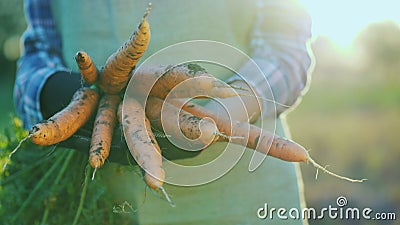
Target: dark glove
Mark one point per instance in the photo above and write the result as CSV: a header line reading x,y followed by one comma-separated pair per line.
x,y
56,94
58,91
119,152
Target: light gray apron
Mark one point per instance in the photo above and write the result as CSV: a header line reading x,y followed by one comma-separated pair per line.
x,y
100,27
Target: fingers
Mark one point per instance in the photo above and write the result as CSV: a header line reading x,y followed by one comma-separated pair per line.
x,y
77,142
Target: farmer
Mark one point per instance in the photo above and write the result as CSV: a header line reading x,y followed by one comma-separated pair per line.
x,y
274,33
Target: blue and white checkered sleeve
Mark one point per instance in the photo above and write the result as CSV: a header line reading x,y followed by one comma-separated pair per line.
x,y
40,58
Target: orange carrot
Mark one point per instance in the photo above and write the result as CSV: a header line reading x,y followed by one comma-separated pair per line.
x,y
116,71
258,139
181,81
142,143
203,131
86,67
103,129
65,123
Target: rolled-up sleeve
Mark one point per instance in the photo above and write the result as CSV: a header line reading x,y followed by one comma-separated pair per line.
x,y
279,47
40,58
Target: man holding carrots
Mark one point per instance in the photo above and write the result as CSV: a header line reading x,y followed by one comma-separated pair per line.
x,y
274,33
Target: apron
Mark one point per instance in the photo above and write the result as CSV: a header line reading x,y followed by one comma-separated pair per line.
x,y
234,198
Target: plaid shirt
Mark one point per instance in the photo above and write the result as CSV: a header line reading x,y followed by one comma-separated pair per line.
x,y
41,57
278,42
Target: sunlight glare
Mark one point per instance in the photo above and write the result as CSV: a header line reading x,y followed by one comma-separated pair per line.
x,y
342,20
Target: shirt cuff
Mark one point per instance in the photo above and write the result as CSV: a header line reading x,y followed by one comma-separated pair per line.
x,y
28,86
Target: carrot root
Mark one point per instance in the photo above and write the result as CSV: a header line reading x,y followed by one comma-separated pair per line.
x,y
164,192
15,150
227,137
94,172
256,96
121,208
319,167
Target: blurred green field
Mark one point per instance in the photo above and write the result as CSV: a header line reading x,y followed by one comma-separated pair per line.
x,y
7,110
350,120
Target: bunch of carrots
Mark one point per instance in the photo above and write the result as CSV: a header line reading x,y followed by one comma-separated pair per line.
x,y
105,102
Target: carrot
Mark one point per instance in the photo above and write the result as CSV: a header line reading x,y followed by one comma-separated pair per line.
x,y
86,67
142,144
65,123
203,131
116,71
258,139
103,129
180,81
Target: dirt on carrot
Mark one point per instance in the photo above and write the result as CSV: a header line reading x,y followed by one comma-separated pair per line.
x,y
65,123
103,130
116,72
142,143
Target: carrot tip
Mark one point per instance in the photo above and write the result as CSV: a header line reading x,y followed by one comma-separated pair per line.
x,y
80,56
15,149
162,189
33,130
94,172
148,10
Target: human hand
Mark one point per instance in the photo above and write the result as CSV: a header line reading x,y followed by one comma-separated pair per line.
x,y
119,151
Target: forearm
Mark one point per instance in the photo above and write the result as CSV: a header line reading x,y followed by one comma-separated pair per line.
x,y
40,59
32,75
280,53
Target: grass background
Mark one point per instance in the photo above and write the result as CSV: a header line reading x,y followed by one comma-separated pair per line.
x,y
349,118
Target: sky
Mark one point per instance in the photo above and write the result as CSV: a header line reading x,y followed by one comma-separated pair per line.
x,y
342,20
